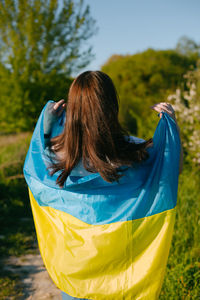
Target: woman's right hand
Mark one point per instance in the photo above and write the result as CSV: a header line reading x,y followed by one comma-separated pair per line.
x,y
51,114
163,106
58,108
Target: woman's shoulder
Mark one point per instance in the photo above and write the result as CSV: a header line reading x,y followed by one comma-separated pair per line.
x,y
132,138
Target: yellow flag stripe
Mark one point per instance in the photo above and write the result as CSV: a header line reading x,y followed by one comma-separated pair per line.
x,y
122,260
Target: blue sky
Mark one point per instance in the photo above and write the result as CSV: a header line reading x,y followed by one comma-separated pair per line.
x,y
130,26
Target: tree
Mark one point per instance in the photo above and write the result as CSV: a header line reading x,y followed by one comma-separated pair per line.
x,y
42,42
187,46
142,80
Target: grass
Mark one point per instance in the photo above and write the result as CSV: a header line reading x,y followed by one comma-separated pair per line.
x,y
182,278
17,237
17,228
10,286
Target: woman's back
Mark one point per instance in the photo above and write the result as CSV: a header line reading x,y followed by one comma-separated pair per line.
x,y
79,169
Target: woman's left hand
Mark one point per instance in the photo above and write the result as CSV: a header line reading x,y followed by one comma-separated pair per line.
x,y
166,107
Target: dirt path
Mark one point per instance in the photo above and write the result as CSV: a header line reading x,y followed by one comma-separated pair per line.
x,y
35,281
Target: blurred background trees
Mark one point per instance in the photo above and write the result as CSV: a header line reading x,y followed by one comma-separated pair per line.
x,y
144,79
187,46
154,76
42,42
186,102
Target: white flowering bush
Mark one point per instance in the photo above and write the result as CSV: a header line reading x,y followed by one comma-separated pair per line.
x,y
186,103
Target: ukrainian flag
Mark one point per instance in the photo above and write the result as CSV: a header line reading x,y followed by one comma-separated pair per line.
x,y
101,240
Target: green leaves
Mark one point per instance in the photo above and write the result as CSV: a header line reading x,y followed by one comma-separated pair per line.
x,y
42,42
142,80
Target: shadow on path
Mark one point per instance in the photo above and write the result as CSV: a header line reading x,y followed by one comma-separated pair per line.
x,y
34,279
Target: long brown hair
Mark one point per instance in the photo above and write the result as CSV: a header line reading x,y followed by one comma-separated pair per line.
x,y
92,131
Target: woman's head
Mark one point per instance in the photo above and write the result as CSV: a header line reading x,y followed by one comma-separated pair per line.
x,y
93,92
92,130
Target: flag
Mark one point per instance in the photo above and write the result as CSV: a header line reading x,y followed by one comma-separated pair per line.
x,y
101,240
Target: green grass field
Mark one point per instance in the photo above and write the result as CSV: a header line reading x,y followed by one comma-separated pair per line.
x,y
182,278
17,237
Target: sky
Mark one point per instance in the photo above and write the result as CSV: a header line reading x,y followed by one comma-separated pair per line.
x,y
131,26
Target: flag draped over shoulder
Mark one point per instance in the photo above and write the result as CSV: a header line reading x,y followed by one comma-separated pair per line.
x,y
101,240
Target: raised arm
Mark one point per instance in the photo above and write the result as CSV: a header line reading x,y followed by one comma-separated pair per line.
x,y
163,106
52,112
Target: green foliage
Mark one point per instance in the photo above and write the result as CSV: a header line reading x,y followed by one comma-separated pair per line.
x,y
21,103
45,35
41,43
182,278
17,235
187,46
10,285
16,222
142,80
186,103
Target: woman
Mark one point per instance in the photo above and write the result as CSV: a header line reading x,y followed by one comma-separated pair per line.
x,y
104,214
